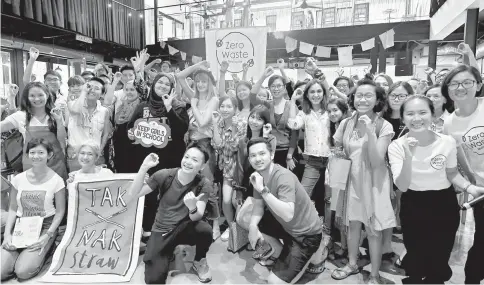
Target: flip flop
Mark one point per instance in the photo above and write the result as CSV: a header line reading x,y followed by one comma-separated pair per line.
x,y
262,250
316,268
345,273
268,262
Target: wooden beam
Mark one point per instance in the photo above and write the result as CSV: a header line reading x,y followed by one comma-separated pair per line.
x,y
433,54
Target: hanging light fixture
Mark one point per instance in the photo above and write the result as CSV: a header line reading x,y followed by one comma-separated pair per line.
x,y
129,14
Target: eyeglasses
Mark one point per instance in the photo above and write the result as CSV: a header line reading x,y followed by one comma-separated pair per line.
x,y
399,96
367,96
466,84
342,86
277,86
52,80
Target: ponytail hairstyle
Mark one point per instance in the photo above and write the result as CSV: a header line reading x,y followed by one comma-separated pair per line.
x,y
27,107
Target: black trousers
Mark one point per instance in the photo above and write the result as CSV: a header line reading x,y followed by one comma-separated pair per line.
x,y
430,220
474,268
159,250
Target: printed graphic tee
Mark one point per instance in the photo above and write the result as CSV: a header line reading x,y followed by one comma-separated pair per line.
x,y
36,200
469,134
428,163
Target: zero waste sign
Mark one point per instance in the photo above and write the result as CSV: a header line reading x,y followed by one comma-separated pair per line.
x,y
237,46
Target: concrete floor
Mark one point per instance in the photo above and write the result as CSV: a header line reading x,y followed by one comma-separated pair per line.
x,y
240,268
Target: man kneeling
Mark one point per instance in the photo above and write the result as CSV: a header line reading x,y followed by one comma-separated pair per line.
x,y
183,194
291,216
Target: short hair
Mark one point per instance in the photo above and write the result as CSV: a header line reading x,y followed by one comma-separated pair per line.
x,y
274,78
87,72
167,62
225,98
414,97
350,82
448,105
97,79
258,140
54,73
75,80
39,142
126,67
461,68
200,147
95,147
105,76
380,95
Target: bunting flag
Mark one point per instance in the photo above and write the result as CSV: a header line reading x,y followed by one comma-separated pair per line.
x,y
162,44
183,55
306,48
291,44
368,44
387,38
196,59
345,56
322,51
172,50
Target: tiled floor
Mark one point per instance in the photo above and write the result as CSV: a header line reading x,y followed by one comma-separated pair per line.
x,y
240,268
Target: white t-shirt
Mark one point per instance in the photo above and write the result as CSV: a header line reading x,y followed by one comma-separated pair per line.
x,y
19,119
36,200
79,131
469,134
428,164
119,96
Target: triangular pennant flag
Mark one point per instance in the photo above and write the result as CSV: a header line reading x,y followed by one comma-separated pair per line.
x,y
172,50
196,59
368,44
306,48
183,55
291,44
323,51
387,39
345,56
278,35
162,44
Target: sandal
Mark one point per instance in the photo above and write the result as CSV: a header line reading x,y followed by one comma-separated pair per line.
x,y
268,262
345,272
316,268
262,250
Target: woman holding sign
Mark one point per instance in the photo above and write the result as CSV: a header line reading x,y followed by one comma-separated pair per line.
x,y
33,213
158,126
39,119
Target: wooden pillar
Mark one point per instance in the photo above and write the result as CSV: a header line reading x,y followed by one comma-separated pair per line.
x,y
432,62
374,59
382,58
156,22
470,34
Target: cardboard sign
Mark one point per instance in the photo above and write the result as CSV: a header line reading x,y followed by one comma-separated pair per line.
x,y
27,231
151,132
237,46
102,239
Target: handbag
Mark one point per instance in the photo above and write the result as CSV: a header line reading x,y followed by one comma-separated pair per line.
x,y
238,236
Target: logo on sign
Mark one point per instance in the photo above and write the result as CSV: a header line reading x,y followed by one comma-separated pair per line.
x,y
151,132
438,161
474,140
237,49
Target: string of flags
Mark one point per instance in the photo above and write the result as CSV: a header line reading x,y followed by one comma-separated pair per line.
x,y
345,54
183,55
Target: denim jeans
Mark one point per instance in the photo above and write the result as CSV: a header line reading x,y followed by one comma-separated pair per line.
x,y
23,263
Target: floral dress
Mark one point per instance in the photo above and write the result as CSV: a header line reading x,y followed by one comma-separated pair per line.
x,y
227,149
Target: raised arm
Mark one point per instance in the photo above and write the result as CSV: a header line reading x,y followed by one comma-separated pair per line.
x,y
75,106
34,54
256,88
138,188
221,83
182,76
109,98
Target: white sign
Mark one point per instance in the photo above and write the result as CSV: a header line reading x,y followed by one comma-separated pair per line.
x,y
237,46
151,132
85,39
26,231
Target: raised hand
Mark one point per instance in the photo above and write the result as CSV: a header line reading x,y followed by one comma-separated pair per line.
x,y
410,145
204,64
224,66
168,99
34,53
150,161
298,94
191,201
215,116
245,67
13,90
280,63
117,77
266,130
268,72
257,181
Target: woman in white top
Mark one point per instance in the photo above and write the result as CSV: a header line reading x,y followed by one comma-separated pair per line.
x,y
315,120
39,119
87,155
33,194
466,125
424,167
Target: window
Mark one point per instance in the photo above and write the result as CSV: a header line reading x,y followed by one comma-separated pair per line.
x,y
343,16
319,15
6,79
222,24
271,22
360,14
328,17
297,20
237,22
178,29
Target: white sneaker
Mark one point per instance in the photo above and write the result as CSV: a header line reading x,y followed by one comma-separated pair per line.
x,y
216,233
225,235
203,271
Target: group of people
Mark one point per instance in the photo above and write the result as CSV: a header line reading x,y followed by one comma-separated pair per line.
x,y
264,158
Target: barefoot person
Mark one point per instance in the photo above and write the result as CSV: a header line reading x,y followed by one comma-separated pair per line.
x,y
183,194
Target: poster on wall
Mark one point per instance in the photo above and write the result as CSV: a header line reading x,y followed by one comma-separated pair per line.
x,y
102,238
237,46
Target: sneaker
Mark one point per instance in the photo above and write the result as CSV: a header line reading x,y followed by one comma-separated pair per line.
x,y
203,271
225,236
216,233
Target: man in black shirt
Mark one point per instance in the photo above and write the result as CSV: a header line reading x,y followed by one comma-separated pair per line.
x,y
183,194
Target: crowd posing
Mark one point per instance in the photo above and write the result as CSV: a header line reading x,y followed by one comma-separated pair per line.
x,y
290,165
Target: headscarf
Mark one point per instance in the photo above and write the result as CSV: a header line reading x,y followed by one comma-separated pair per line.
x,y
155,102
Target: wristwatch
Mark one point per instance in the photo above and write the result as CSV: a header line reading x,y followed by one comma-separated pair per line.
x,y
264,191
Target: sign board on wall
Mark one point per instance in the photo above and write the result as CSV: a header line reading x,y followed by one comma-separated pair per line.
x,y
102,239
237,46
